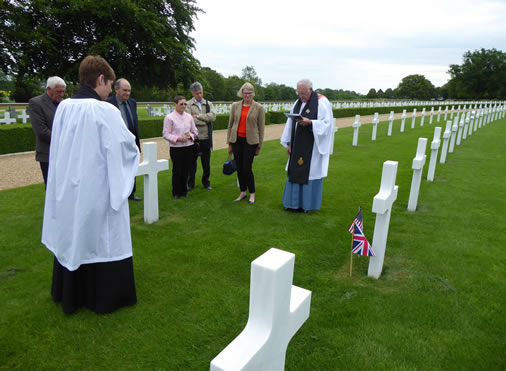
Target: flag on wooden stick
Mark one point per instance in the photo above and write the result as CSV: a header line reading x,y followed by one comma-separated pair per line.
x,y
360,245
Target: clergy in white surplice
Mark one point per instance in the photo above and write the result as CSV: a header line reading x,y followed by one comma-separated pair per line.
x,y
307,138
86,225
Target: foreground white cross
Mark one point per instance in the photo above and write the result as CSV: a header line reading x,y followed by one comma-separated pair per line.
x,y
434,148
277,309
390,123
375,122
150,167
446,138
418,163
382,206
356,126
403,117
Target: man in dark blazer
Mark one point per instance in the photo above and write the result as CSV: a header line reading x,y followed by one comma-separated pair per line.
x,y
41,110
128,109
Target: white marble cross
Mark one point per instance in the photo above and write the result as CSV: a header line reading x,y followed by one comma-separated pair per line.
x,y
356,126
24,116
446,112
277,309
478,118
390,123
474,121
455,127
431,115
334,131
150,167
413,119
466,126
461,129
403,117
418,164
434,149
451,114
7,119
375,122
423,116
382,207
446,138
439,114
458,112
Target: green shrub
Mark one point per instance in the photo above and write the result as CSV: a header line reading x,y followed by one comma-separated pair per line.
x,y
16,138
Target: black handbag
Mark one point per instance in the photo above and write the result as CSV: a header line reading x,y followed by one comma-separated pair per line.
x,y
229,167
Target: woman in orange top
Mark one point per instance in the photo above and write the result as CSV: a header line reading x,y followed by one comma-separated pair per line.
x,y
245,137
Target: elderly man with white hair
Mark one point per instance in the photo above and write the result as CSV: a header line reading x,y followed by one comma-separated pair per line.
x,y
307,137
41,110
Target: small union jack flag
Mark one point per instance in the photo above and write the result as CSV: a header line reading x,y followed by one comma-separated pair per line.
x,y
360,244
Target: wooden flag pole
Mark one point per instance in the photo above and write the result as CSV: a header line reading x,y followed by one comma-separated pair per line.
x,y
351,257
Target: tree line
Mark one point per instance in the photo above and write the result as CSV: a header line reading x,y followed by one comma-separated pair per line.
x,y
148,42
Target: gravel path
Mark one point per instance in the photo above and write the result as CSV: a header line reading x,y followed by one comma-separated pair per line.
x,y
21,169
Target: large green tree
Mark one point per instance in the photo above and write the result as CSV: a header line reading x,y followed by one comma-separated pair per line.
x,y
146,41
415,87
482,75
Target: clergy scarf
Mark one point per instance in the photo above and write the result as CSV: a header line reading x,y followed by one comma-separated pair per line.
x,y
302,141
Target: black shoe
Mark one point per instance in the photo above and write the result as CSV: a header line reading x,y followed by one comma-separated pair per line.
x,y
134,198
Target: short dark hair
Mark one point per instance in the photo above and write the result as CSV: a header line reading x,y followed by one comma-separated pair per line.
x,y
177,98
91,68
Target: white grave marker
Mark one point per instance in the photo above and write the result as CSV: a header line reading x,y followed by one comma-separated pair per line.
x,y
24,116
446,112
431,115
390,123
356,126
414,119
451,114
277,309
7,119
375,122
461,129
446,138
403,117
474,121
150,167
423,116
382,207
455,127
434,148
466,126
439,114
418,164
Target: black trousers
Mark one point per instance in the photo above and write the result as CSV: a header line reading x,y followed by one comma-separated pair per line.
x,y
244,154
181,161
205,159
44,167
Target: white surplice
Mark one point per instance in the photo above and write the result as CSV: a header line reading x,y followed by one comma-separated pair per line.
x,y
92,167
322,132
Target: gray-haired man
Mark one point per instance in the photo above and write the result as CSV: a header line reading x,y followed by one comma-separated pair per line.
x,y
41,110
203,114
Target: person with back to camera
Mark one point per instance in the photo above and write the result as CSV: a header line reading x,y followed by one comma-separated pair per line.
x,y
245,138
180,130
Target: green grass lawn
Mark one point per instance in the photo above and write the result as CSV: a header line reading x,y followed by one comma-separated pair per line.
x,y
437,304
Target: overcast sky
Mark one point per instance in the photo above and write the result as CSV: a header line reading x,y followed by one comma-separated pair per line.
x,y
345,44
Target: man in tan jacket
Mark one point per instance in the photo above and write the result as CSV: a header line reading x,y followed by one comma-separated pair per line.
x,y
204,115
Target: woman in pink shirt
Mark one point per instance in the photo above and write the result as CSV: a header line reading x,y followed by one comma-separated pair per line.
x,y
180,130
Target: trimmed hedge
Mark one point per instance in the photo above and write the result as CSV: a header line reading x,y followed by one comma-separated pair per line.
x,y
20,138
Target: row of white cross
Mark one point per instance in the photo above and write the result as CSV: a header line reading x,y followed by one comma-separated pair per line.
x,y
478,113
